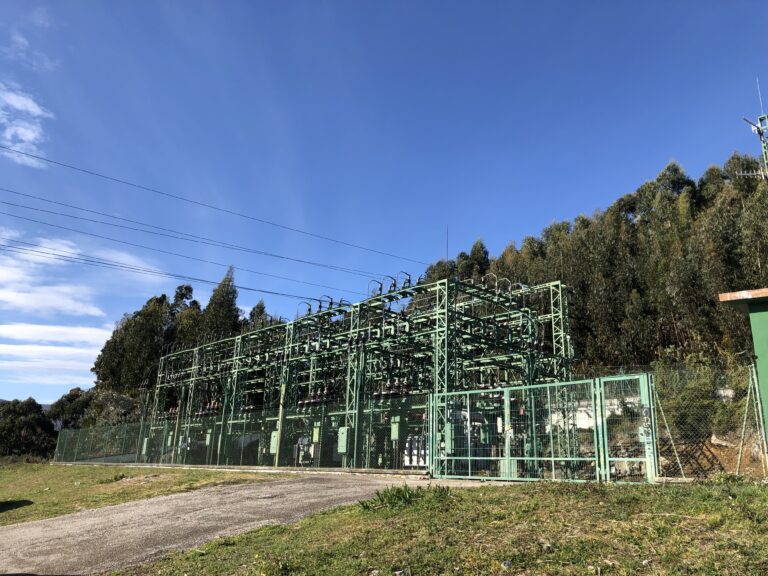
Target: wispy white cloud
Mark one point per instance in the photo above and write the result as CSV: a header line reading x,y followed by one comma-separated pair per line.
x,y
26,287
53,354
38,362
40,17
21,124
27,275
45,251
42,300
14,100
18,49
45,352
55,333
129,259
48,377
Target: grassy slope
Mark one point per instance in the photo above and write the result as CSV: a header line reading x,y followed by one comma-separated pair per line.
x,y
35,491
528,529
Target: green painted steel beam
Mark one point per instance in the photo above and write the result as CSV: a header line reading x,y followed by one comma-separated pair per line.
x,y
353,363
755,303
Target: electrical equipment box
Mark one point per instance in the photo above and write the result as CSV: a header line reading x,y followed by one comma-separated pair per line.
x,y
394,433
316,433
508,469
208,437
449,438
274,440
344,433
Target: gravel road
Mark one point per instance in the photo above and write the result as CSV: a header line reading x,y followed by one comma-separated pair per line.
x,y
118,536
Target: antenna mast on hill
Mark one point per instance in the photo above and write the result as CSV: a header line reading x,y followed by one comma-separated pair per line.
x,y
760,129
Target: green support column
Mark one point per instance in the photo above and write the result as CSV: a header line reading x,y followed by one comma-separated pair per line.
x,y
755,303
507,429
285,376
758,320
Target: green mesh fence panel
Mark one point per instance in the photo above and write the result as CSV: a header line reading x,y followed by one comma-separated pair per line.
x,y
105,444
673,423
599,429
707,421
392,435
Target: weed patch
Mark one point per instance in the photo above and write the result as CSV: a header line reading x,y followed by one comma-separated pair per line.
x,y
540,528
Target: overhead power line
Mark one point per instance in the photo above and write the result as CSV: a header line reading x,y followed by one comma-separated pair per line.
x,y
215,243
204,261
204,239
207,205
102,263
134,244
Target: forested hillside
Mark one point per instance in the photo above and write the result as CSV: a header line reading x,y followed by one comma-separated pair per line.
x,y
644,276
645,273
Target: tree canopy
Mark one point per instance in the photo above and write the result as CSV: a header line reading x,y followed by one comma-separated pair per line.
x,y
645,273
25,429
130,358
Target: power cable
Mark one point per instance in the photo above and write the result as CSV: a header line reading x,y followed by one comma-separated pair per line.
x,y
101,237
205,242
71,256
238,268
146,272
203,239
206,205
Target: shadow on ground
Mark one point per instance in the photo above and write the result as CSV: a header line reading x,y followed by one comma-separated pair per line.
x,y
8,505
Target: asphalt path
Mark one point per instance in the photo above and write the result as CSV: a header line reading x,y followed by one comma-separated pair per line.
x,y
113,537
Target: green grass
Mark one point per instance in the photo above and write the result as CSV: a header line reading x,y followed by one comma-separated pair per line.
x,y
36,491
544,528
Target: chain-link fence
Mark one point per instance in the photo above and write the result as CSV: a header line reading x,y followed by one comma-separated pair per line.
x,y
103,444
703,420
708,421
386,433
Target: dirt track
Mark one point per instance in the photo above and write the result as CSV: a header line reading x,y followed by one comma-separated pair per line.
x,y
117,536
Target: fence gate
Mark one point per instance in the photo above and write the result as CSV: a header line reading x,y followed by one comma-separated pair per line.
x,y
599,430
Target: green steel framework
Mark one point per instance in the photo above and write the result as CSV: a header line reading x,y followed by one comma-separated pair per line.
x,y
348,385
589,430
461,379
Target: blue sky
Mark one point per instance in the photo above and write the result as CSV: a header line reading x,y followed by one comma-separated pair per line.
x,y
378,123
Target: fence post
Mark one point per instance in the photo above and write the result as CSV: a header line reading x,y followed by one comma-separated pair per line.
x,y
603,468
649,427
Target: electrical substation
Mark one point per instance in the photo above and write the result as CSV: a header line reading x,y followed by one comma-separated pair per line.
x,y
464,379
454,378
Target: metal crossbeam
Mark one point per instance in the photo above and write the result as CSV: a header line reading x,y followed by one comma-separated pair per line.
x,y
328,386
